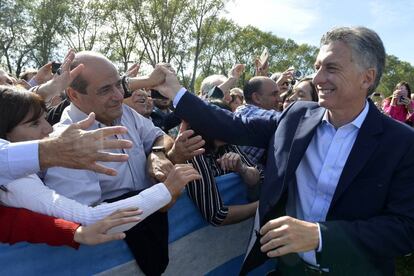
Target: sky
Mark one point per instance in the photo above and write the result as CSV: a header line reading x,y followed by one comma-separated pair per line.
x,y
305,21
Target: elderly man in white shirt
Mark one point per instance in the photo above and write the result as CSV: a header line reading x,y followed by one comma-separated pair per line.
x,y
100,89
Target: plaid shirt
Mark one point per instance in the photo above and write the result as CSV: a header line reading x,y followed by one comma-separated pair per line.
x,y
248,110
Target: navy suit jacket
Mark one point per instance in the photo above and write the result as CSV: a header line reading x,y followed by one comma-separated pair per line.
x,y
371,217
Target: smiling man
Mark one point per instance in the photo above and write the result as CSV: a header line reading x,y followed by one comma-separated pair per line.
x,y
336,199
98,88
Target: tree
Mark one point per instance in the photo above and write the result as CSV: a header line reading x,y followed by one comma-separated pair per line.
x,y
15,34
84,24
395,71
48,21
202,14
161,26
122,39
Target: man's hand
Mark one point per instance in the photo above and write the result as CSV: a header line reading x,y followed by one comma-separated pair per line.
x,y
286,76
157,76
44,74
158,166
79,149
178,177
236,71
286,235
185,146
231,161
96,233
170,87
261,69
133,70
60,81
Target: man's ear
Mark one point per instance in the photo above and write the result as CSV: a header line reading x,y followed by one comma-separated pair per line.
x,y
73,95
368,78
256,98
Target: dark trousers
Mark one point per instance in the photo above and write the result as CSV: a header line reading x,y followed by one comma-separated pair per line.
x,y
148,241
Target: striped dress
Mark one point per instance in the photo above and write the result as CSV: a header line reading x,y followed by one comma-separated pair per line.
x,y
204,192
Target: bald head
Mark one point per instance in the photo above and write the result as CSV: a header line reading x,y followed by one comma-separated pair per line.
x,y
253,85
93,62
98,88
262,92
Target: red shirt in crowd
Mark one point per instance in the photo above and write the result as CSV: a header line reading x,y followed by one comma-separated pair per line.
x,y
18,225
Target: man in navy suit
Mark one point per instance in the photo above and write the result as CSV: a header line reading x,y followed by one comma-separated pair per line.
x,y
338,195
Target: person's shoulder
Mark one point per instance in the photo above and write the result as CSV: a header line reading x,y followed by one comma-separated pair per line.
x,y
300,107
307,105
397,128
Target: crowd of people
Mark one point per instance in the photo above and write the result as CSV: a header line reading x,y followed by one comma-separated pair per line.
x,y
90,156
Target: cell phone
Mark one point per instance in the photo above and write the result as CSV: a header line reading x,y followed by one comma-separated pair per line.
x,y
264,57
157,95
55,66
400,100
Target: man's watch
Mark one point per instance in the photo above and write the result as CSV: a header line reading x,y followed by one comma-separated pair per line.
x,y
158,149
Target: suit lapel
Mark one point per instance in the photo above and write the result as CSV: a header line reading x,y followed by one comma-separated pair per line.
x,y
303,136
365,144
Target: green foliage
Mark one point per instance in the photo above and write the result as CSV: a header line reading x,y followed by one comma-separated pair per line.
x,y
187,33
395,71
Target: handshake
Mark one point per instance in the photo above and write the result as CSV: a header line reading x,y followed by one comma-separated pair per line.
x,y
163,79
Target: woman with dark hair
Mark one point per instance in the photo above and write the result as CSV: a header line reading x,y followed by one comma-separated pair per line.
x,y
219,159
30,192
399,106
304,90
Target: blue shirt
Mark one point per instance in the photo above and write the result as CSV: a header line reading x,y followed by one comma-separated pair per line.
x,y
320,169
92,188
18,160
248,110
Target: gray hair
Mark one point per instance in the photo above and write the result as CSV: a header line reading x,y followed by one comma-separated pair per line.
x,y
210,82
366,47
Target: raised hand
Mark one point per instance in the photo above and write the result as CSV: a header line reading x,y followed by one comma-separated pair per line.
x,y
236,71
44,74
170,87
133,70
186,146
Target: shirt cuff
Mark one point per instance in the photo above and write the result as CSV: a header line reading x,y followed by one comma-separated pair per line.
x,y
23,158
32,82
320,239
178,96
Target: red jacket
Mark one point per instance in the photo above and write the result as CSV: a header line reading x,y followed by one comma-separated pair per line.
x,y
17,225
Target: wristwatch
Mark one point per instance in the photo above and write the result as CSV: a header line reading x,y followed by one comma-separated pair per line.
x,y
158,149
